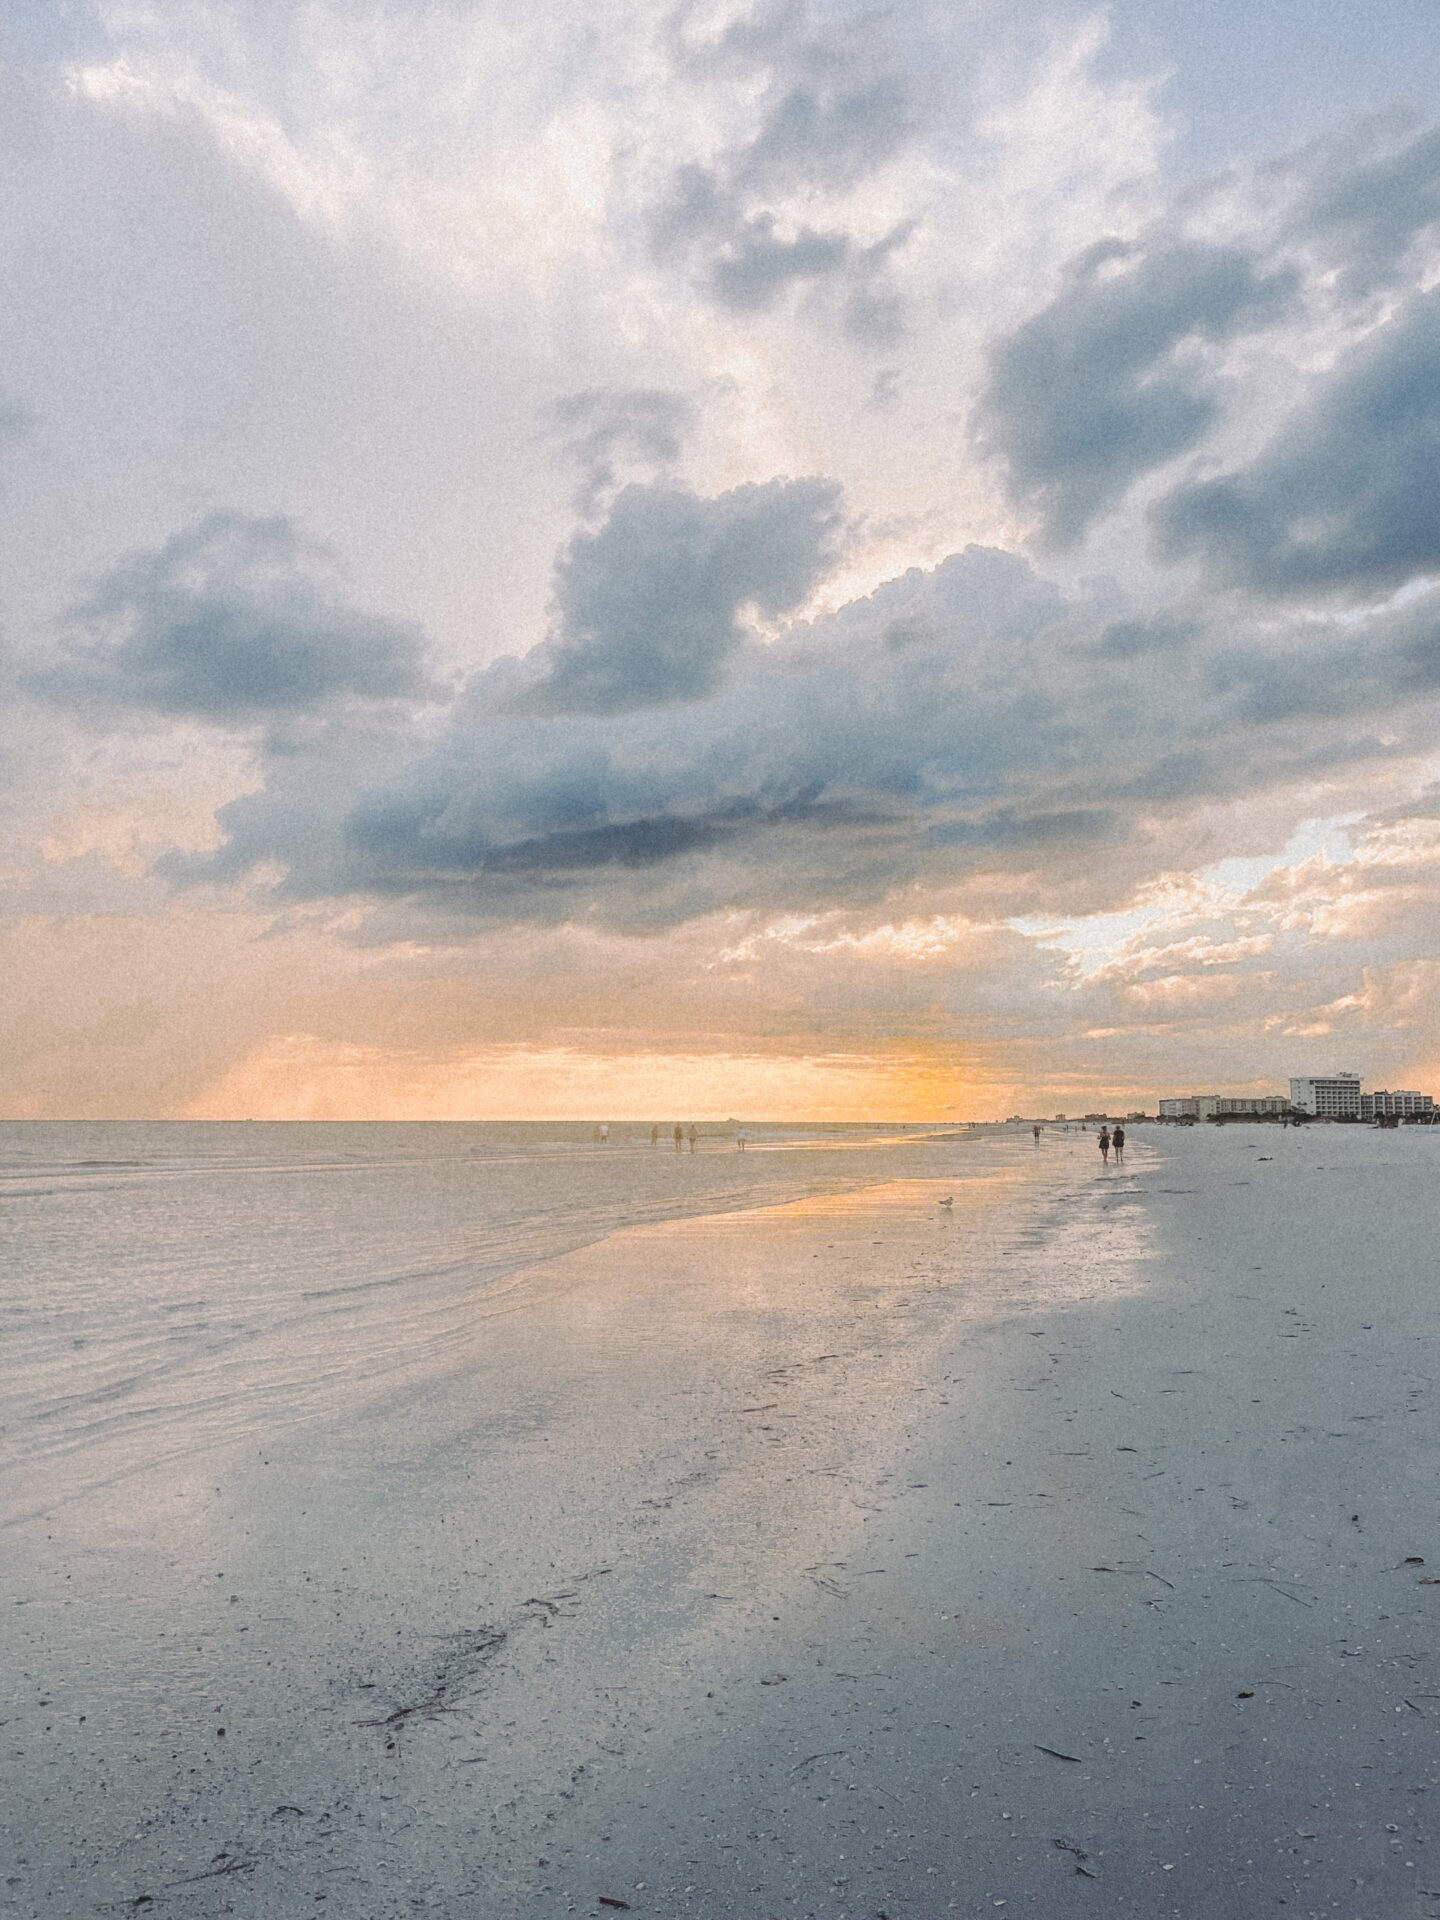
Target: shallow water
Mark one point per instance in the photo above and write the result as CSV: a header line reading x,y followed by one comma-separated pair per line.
x,y
354,1524
173,1286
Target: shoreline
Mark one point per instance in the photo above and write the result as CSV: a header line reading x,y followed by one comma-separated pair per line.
x,y
467,1651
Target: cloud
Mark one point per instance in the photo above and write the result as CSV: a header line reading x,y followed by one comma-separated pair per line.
x,y
977,724
231,621
755,265
744,217
750,258
16,420
830,766
1161,633
1110,380
605,431
826,138
1346,498
650,604
826,758
1371,211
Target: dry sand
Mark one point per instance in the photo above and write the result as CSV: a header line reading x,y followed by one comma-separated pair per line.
x,y
1068,1554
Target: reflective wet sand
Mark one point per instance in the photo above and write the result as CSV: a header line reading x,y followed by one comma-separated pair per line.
x,y
838,1558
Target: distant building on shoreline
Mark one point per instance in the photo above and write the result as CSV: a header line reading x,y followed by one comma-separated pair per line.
x,y
1212,1106
1335,1096
1402,1104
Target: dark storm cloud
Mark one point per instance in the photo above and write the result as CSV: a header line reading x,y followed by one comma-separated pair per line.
x,y
608,433
971,719
1103,385
827,762
1347,496
649,605
231,621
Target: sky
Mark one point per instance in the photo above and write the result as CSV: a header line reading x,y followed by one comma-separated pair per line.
x,y
777,558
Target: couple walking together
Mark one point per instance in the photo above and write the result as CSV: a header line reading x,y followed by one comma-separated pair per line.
x,y
1115,1140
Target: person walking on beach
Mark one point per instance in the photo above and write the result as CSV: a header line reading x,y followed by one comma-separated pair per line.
x,y
692,1136
1036,1132
1117,1141
655,1135
1105,1145
679,1137
740,1139
604,1136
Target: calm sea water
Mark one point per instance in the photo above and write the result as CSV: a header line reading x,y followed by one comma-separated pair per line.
x,y
168,1286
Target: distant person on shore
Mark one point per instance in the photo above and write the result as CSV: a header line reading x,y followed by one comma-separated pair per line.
x,y
1036,1132
679,1137
1105,1145
692,1136
1117,1141
595,1135
604,1135
655,1136
740,1139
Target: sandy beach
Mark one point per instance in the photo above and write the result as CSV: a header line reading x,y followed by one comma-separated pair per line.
x,y
1072,1550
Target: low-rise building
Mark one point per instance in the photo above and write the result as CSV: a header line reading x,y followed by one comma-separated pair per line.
x,y
1220,1106
1402,1104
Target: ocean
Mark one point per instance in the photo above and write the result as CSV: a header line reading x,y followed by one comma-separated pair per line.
x,y
173,1286
370,1494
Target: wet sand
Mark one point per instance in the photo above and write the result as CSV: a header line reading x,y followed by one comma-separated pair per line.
x,y
1063,1553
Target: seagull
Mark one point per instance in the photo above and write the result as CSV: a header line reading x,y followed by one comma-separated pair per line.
x,y
948,1201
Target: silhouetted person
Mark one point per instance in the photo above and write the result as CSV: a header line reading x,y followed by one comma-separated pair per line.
x,y
1036,1132
1105,1145
655,1136
692,1136
679,1137
1117,1141
740,1139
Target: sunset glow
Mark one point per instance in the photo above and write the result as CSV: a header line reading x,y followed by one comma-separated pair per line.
x,y
716,560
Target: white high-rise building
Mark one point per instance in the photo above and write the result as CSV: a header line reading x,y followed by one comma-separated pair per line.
x,y
1335,1097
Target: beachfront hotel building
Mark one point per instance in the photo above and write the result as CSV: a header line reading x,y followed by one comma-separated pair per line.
x,y
1216,1106
1334,1098
1402,1104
